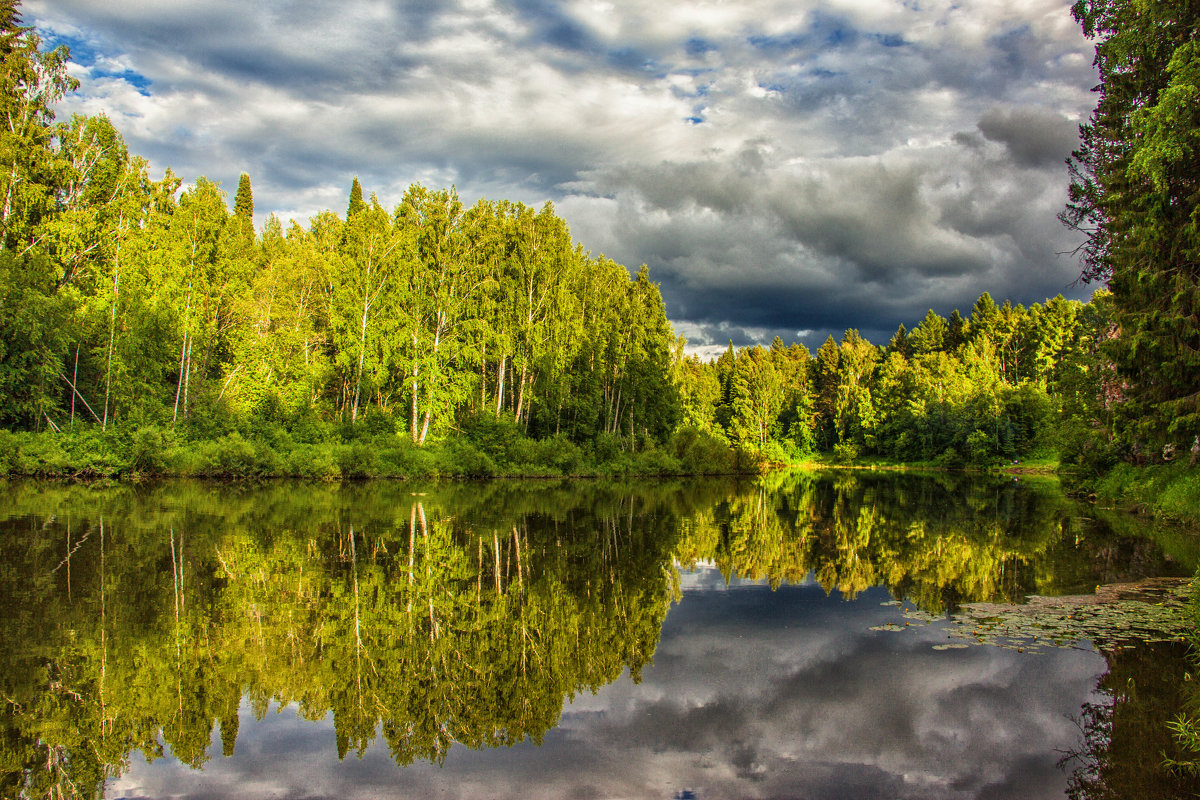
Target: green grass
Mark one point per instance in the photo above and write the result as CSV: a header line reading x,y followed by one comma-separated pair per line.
x,y
1171,491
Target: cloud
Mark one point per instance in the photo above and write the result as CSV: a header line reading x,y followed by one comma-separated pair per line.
x,y
1034,136
780,166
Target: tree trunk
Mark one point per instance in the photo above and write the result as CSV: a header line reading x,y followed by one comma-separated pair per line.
x,y
415,371
500,385
187,375
362,352
74,383
521,390
183,346
112,321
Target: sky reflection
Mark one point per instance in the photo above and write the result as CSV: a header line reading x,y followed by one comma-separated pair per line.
x,y
752,693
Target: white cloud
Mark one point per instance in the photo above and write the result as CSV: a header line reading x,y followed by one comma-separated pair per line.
x,y
828,156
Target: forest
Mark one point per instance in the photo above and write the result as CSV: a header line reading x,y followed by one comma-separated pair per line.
x,y
147,327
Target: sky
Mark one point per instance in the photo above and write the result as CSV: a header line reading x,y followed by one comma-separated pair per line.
x,y
788,168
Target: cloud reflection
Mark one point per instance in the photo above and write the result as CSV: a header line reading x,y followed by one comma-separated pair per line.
x,y
752,693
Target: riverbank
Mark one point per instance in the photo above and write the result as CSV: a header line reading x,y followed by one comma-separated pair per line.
x,y
486,449
1167,491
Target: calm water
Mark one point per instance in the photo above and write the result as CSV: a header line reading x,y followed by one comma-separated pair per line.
x,y
703,639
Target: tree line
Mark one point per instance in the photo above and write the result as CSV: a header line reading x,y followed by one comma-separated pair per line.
x,y
156,315
1005,382
125,300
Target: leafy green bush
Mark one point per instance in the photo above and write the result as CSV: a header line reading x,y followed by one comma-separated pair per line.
x,y
845,452
950,457
981,449
495,436
10,451
232,456
701,453
305,426
606,447
313,461
42,455
148,450
563,455
358,459
461,457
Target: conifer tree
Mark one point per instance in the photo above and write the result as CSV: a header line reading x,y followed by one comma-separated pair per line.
x,y
356,199
956,331
1135,195
243,205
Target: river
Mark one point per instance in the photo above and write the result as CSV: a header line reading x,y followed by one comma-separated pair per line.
x,y
791,636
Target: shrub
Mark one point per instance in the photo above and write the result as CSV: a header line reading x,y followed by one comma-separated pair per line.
x,y
845,452
235,457
950,457
461,457
701,453
10,451
305,426
42,455
148,450
606,447
373,422
314,461
358,459
981,450
495,436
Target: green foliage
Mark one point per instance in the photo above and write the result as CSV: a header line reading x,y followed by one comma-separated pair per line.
x,y
485,334
243,204
845,452
701,453
1135,196
164,308
1169,490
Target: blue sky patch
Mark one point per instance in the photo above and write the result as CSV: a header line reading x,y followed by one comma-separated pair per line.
x,y
86,55
890,39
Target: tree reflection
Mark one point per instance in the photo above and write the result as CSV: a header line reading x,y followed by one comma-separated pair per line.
x,y
138,619
936,541
1125,738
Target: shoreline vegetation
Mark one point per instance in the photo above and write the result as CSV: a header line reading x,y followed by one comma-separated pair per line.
x,y
148,327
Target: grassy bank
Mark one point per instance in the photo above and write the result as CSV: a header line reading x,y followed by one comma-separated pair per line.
x,y
1168,491
320,451
1043,464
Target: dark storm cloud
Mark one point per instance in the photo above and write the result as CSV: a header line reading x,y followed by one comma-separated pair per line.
x,y
1035,136
782,167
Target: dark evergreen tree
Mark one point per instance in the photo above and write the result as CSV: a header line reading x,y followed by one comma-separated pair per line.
x,y
899,342
985,318
243,205
10,26
930,335
1135,195
356,199
956,331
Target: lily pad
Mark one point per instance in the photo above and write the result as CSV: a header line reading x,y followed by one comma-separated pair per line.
x,y
1116,616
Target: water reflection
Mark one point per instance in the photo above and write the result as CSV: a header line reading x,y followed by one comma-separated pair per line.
x,y
170,619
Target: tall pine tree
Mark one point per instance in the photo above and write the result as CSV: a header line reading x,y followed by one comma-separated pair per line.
x,y
356,199
1135,194
243,204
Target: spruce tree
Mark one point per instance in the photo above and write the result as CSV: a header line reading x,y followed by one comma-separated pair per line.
x,y
956,331
356,199
10,26
1135,195
243,205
